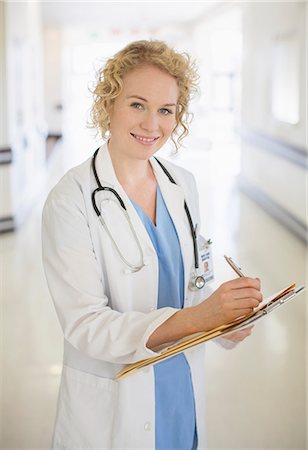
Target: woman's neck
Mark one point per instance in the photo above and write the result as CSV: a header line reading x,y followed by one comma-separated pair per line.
x,y
129,171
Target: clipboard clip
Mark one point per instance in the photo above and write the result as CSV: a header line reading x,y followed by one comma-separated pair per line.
x,y
275,303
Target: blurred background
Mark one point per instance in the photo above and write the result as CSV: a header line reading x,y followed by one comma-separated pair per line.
x,y
248,151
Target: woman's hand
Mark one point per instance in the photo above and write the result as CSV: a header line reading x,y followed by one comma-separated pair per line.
x,y
233,299
239,336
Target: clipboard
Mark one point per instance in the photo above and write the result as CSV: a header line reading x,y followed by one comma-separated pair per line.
x,y
266,307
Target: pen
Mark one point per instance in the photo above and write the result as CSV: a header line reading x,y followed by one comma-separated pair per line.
x,y
236,268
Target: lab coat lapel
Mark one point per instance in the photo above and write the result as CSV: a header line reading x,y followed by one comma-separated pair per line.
x,y
173,195
108,177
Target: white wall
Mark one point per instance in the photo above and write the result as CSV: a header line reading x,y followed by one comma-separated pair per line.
x,y
3,102
24,125
52,42
262,23
266,172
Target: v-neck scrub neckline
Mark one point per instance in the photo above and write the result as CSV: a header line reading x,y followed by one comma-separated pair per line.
x,y
175,418
143,214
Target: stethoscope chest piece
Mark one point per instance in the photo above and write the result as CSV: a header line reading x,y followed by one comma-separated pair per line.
x,y
197,282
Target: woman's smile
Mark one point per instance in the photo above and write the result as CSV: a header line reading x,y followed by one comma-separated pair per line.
x,y
144,140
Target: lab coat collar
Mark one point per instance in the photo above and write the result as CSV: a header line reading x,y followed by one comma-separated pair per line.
x,y
105,170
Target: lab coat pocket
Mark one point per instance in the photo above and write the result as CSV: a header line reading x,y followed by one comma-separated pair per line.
x,y
86,409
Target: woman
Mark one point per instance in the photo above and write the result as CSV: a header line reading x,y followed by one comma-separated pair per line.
x,y
122,279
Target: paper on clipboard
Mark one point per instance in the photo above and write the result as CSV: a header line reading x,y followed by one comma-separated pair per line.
x,y
267,306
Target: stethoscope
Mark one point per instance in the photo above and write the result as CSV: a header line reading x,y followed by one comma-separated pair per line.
x,y
197,281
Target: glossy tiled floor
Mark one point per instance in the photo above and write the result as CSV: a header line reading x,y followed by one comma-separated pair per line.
x,y
256,393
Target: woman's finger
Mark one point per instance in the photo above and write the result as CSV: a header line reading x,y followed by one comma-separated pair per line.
x,y
244,303
242,312
240,335
249,294
242,282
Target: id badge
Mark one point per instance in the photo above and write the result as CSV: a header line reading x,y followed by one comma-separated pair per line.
x,y
205,253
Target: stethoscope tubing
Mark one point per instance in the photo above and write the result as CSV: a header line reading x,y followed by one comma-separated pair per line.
x,y
132,267
191,225
113,191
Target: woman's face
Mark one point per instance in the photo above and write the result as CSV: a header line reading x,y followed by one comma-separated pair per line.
x,y
143,116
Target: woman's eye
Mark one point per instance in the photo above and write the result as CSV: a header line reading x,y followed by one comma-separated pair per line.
x,y
166,111
136,105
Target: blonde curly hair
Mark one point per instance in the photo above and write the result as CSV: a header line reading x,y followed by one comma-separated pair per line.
x,y
139,53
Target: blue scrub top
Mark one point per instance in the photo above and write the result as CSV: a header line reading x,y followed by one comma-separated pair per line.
x,y
175,418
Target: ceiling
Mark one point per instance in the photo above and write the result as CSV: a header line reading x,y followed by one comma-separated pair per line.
x,y
124,14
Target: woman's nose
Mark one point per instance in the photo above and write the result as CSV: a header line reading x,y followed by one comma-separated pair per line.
x,y
150,122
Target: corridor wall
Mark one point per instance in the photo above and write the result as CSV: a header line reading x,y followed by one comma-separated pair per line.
x,y
23,129
274,150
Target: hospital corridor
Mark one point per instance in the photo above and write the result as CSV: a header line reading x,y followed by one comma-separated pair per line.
x,y
247,149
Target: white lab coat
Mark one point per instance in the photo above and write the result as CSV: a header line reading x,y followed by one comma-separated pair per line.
x,y
108,314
